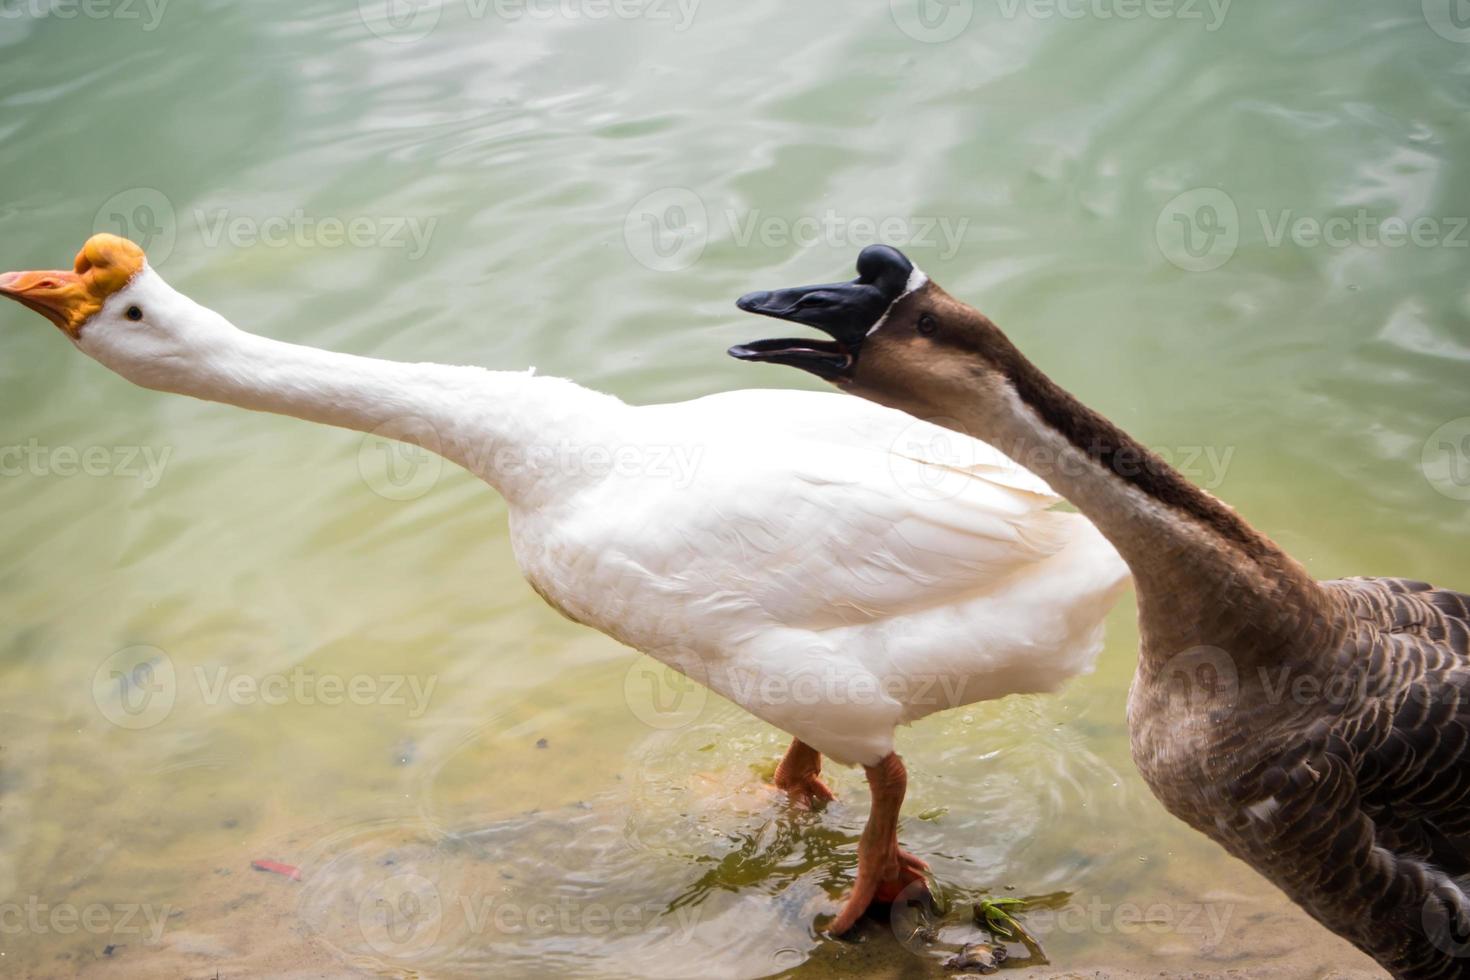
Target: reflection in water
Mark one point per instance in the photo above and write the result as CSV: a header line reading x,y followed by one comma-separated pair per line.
x,y
684,863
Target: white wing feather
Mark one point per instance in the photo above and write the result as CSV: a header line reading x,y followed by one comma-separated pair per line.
x,y
821,536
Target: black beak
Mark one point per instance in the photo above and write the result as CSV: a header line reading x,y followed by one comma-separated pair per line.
x,y
845,310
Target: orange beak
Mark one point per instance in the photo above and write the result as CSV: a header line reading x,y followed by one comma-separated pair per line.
x,y
56,295
105,264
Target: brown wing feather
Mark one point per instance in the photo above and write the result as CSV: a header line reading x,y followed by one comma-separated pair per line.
x,y
1392,818
1358,807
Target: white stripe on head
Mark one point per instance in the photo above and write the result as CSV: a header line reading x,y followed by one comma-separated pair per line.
x,y
917,279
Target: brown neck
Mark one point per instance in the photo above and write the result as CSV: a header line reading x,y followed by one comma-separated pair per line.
x,y
1204,576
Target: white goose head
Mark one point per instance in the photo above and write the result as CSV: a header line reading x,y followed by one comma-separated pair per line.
x,y
119,311
501,425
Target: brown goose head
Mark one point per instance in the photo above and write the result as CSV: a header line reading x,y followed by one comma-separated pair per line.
x,y
897,338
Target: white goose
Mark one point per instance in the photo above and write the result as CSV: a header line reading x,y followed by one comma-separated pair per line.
x,y
807,569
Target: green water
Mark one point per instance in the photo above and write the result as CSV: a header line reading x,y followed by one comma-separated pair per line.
x,y
586,188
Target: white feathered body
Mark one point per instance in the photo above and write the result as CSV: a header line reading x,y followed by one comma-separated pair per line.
x,y
835,567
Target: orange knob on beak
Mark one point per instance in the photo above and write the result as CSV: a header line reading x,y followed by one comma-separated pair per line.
x,y
105,264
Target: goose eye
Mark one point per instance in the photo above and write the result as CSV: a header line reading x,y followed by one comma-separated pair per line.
x,y
927,324
135,313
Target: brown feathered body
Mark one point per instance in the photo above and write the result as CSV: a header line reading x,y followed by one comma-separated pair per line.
x,y
1340,770
1319,731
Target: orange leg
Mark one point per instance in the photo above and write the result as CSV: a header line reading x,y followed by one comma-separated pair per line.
x,y
800,775
884,870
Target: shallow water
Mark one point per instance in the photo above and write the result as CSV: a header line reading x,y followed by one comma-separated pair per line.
x,y
344,670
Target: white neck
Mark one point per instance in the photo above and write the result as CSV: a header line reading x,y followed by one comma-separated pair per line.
x,y
497,424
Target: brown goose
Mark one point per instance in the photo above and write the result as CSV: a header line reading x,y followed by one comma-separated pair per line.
x,y
1317,730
